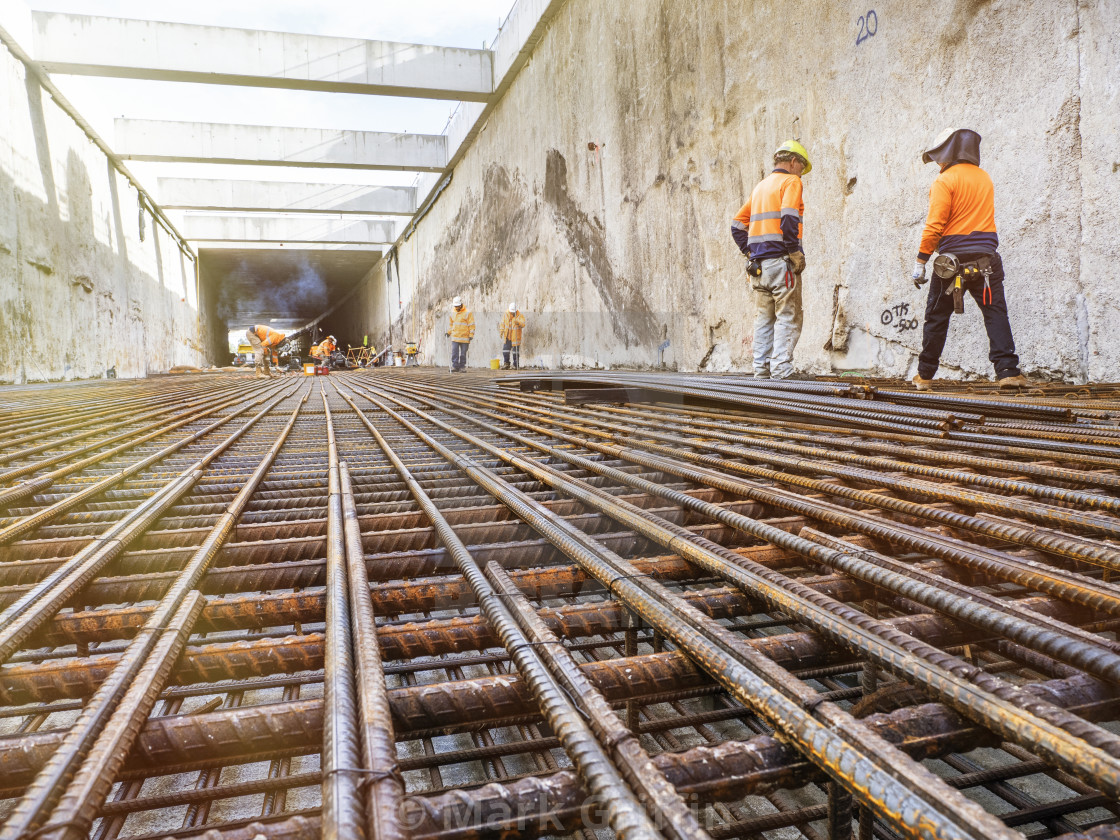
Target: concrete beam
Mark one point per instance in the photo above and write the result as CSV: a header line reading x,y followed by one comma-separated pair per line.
x,y
201,194
263,229
145,49
193,142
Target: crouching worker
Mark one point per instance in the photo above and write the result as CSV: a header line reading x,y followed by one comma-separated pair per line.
x,y
961,227
510,329
322,351
264,341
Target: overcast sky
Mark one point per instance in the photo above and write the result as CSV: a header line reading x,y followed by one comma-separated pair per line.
x,y
458,23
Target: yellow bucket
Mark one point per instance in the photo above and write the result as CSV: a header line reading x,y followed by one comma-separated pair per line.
x,y
495,364
309,370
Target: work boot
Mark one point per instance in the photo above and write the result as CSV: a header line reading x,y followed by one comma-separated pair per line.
x,y
271,375
922,384
1016,381
260,374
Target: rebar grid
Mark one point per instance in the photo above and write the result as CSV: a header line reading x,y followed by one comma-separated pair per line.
x,y
406,604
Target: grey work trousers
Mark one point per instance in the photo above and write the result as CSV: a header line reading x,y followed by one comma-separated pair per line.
x,y
777,320
459,355
261,352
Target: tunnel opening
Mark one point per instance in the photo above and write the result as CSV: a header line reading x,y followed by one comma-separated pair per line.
x,y
285,289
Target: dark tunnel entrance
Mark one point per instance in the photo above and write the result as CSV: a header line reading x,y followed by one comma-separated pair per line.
x,y
283,288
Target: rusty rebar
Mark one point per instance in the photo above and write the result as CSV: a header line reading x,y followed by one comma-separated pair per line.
x,y
911,806
1081,749
627,817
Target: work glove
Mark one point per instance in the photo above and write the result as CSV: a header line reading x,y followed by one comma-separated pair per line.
x,y
797,262
919,274
447,334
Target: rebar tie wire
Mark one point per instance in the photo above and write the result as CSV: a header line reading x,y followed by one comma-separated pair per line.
x,y
610,586
371,776
813,703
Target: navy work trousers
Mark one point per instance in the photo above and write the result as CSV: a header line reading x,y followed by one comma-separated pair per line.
x,y
511,354
939,309
459,354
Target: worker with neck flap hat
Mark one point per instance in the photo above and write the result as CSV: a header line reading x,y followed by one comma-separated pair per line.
x,y
961,228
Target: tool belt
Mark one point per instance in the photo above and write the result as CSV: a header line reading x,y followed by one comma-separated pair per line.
x,y
947,267
754,269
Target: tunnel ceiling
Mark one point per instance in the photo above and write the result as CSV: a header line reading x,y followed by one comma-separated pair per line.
x,y
285,288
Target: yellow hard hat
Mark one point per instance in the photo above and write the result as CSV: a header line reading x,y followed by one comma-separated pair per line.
x,y
799,150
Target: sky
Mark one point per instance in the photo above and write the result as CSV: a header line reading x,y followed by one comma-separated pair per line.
x,y
456,23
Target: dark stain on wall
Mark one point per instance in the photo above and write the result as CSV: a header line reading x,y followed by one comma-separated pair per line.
x,y
487,233
502,225
631,318
507,225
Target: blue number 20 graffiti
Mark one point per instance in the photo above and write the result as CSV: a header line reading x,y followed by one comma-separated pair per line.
x,y
868,25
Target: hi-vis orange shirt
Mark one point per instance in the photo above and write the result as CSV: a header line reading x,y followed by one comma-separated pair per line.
x,y
323,349
770,223
962,213
510,327
461,326
268,336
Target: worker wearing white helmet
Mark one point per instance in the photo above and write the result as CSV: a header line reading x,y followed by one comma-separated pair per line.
x,y
460,329
510,329
768,231
324,348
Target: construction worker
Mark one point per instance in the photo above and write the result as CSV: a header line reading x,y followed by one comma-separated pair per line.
x,y
324,348
510,329
264,341
460,329
768,230
962,224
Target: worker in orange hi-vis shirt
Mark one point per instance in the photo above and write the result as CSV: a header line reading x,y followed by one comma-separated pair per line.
x,y
961,227
768,231
324,348
264,341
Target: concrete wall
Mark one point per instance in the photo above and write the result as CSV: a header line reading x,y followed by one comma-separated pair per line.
x,y
613,247
84,285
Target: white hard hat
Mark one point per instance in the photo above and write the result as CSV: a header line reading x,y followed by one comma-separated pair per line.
x,y
457,301
513,307
331,338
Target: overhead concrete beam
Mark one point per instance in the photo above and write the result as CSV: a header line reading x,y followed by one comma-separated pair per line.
x,y
202,194
373,251
193,142
146,49
263,229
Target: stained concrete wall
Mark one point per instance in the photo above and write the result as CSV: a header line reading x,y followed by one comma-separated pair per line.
x,y
600,193
85,285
